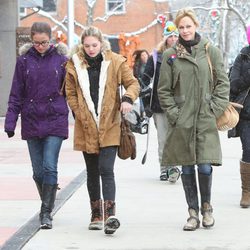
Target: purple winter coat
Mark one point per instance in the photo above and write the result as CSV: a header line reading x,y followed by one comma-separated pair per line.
x,y
35,94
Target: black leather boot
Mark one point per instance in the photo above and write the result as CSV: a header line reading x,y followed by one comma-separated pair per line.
x,y
190,188
205,184
39,187
48,201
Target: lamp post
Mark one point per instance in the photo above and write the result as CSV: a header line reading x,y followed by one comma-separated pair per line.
x,y
71,23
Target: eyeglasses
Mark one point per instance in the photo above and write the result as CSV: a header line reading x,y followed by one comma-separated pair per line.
x,y
37,44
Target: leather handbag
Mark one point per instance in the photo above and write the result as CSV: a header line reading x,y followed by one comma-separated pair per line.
x,y
127,147
229,118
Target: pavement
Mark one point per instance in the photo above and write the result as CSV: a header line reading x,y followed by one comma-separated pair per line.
x,y
152,213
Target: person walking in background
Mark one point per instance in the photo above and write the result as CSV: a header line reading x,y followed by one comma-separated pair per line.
x,y
93,79
192,102
240,84
36,95
140,60
152,69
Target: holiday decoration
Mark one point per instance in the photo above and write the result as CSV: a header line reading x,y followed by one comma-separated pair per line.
x,y
161,19
214,14
127,45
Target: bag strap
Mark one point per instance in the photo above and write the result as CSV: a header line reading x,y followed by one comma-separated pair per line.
x,y
121,94
154,56
209,61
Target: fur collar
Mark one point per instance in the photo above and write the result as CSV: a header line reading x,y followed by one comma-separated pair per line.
x,y
83,78
61,48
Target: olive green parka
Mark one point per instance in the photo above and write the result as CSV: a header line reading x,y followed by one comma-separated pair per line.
x,y
192,101
94,131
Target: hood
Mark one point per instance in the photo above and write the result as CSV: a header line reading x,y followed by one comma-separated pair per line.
x,y
245,51
61,48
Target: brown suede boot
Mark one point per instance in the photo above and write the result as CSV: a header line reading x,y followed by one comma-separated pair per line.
x,y
97,215
245,184
111,223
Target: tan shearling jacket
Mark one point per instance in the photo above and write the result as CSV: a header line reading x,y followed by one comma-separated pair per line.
x,y
94,131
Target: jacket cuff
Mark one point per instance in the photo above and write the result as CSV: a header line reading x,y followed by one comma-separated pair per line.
x,y
127,99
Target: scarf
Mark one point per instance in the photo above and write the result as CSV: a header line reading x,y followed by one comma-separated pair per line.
x,y
188,44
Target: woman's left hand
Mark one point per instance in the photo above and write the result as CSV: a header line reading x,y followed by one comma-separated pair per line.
x,y
126,107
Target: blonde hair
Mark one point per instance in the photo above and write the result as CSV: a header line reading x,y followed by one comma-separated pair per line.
x,y
162,46
186,12
95,32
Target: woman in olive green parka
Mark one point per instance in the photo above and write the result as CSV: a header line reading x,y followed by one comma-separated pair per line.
x,y
192,101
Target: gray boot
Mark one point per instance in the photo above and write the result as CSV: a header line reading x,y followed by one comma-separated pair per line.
x,y
190,188
205,183
48,201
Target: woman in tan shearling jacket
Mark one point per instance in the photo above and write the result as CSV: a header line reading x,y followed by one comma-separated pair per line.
x,y
93,79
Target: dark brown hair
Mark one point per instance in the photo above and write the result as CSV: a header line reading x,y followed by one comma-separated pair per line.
x,y
40,27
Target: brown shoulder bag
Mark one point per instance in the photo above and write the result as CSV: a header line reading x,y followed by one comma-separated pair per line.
x,y
127,147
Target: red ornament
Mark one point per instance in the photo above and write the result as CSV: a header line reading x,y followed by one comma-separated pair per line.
x,y
214,14
162,20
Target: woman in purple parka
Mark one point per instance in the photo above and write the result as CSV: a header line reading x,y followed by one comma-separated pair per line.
x,y
36,95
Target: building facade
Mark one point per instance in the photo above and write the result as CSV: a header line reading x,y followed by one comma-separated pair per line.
x,y
139,19
128,24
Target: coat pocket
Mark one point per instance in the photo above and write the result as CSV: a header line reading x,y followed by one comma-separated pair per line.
x,y
180,101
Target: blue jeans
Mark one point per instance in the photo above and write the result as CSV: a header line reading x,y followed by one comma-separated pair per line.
x,y
205,169
44,153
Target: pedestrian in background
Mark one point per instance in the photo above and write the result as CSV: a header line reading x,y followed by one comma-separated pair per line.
x,y
151,72
192,102
36,95
140,60
240,84
93,81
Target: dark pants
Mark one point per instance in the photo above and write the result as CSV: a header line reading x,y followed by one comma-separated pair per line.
x,y
244,132
101,165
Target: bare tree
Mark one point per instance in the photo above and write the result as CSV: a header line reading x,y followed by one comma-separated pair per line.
x,y
90,11
223,22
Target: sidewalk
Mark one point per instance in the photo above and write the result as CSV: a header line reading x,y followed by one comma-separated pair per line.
x,y
19,199
152,213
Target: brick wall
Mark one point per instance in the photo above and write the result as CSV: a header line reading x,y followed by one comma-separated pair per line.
x,y
139,14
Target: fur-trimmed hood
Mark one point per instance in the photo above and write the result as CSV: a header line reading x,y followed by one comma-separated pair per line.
x,y
61,48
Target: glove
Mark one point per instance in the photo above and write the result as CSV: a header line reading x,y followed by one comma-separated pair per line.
x,y
10,133
148,111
